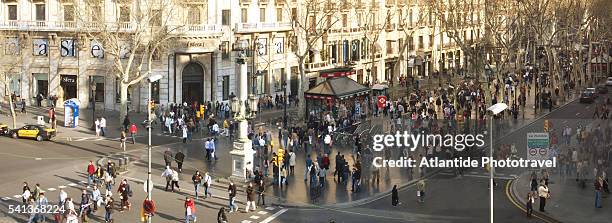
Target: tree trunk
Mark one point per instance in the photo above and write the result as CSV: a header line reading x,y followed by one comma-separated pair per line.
x,y
123,97
13,115
301,88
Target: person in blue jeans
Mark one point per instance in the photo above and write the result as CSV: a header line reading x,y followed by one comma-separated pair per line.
x,y
598,189
232,197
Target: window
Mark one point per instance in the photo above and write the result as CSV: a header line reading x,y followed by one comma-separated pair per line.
x,y
243,15
194,15
226,86
389,47
69,13
312,23
96,13
293,14
262,15
225,52
344,20
40,12
11,46
12,12
124,13
431,40
225,17
420,46
410,22
279,14
156,18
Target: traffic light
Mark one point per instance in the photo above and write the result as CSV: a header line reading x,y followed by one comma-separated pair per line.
x,y
152,104
202,109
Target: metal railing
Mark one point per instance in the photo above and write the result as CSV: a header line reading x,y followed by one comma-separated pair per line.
x,y
263,26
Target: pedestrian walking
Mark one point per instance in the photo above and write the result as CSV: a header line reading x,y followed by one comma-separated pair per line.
x,y
421,191
179,157
96,197
62,196
122,139
261,188
250,196
543,193
26,193
291,162
168,157
598,190
125,191
394,196
232,197
103,126
97,124
207,183
197,182
530,201
184,132
133,132
91,170
175,181
190,210
108,207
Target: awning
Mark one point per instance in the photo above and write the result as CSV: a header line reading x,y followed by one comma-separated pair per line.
x,y
337,72
338,88
379,87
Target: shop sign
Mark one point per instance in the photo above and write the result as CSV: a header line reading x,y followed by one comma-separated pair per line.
x,y
68,79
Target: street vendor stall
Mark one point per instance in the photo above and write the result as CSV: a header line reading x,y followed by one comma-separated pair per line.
x,y
322,97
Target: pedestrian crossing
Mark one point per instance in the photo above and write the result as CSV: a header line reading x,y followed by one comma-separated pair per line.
x,y
261,214
479,174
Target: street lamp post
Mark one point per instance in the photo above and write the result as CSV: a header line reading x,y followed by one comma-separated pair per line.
x,y
494,110
285,121
92,86
149,182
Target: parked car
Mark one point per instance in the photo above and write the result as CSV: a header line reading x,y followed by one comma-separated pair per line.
x,y
609,81
602,89
38,132
592,90
587,97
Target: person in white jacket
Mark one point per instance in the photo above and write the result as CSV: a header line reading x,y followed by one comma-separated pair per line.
x,y
168,175
291,162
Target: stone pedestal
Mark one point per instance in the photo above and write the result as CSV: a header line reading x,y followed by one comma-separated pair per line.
x,y
242,159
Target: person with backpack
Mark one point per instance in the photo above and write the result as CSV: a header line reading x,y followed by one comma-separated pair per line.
x,y
197,182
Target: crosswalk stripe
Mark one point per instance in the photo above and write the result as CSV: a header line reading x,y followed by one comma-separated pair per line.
x,y
254,217
17,196
72,184
61,187
270,208
262,212
245,221
99,139
82,139
6,198
51,189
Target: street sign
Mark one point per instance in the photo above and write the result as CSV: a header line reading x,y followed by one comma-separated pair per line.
x,y
546,125
538,146
150,183
382,101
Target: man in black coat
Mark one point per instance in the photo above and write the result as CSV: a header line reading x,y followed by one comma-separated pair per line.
x,y
179,157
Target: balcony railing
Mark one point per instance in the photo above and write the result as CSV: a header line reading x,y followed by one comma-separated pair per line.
x,y
93,26
262,27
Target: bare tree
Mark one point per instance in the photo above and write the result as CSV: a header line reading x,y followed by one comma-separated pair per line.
x,y
133,41
373,29
312,21
460,19
504,32
10,64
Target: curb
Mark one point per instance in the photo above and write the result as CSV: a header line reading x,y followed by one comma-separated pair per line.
x,y
513,196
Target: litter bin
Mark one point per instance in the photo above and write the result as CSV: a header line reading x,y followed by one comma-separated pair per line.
x,y
71,113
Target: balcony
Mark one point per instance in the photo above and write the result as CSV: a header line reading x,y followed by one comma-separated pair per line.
x,y
203,29
262,27
390,27
71,26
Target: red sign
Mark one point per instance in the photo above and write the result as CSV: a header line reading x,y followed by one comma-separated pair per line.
x,y
382,101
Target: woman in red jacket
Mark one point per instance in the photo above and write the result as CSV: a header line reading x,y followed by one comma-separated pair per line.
x,y
190,210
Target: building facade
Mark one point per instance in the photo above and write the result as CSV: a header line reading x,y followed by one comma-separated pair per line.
x,y
45,49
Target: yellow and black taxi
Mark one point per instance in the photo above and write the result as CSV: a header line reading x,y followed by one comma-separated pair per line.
x,y
38,132
4,129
